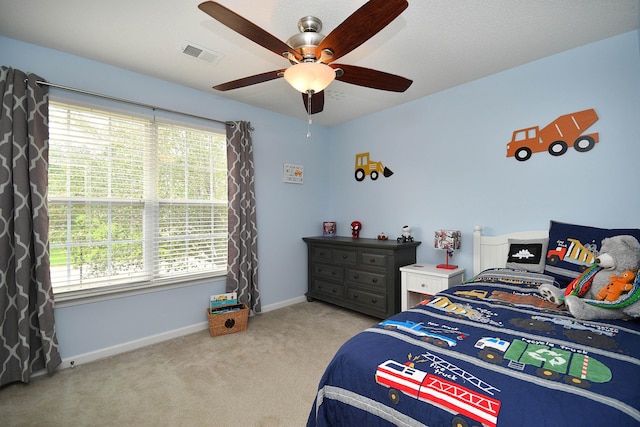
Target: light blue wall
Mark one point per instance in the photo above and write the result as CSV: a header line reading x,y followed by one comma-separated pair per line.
x,y
420,141
448,153
286,212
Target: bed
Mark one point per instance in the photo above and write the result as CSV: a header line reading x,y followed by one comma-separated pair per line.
x,y
489,352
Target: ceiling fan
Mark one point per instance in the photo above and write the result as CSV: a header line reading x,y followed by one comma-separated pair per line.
x,y
311,54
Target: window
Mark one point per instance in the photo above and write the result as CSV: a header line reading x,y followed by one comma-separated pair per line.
x,y
133,201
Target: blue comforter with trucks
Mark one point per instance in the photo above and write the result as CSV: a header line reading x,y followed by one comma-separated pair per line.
x,y
487,353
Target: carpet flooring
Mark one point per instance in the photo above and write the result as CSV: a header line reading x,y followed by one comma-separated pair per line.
x,y
265,376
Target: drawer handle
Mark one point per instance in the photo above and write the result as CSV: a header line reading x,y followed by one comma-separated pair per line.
x,y
423,285
320,269
334,290
355,276
355,296
334,272
374,280
372,260
345,256
321,253
374,300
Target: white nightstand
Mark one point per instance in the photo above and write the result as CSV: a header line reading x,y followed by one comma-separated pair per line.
x,y
419,280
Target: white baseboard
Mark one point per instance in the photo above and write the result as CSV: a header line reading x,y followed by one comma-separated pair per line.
x,y
92,356
283,304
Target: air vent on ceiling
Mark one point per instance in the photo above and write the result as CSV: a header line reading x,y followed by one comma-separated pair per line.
x,y
202,53
336,95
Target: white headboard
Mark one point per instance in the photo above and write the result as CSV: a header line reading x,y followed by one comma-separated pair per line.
x,y
491,251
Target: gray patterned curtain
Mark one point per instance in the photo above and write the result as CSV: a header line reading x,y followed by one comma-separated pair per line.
x,y
28,340
242,272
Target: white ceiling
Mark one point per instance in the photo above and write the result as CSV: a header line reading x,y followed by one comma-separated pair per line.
x,y
438,44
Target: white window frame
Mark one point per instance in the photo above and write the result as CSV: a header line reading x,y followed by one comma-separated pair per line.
x,y
150,228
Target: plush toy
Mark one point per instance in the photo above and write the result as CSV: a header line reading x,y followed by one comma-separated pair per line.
x,y
406,235
617,286
618,254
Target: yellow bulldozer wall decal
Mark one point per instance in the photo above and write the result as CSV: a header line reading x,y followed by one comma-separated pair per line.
x,y
556,137
365,166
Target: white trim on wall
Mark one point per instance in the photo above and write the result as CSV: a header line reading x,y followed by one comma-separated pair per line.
x,y
102,353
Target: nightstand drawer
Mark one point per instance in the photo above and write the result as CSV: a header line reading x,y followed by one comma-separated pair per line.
x,y
419,280
425,284
367,278
328,271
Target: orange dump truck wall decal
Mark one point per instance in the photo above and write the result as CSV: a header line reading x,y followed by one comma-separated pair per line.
x,y
564,132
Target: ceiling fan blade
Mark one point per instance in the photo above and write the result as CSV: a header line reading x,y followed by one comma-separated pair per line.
x,y
251,80
246,28
363,24
372,78
317,102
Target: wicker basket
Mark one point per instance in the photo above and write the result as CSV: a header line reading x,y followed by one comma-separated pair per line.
x,y
228,323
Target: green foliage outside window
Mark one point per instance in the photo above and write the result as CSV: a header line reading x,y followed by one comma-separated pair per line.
x,y
133,199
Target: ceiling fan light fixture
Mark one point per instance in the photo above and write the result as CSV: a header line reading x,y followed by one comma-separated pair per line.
x,y
309,77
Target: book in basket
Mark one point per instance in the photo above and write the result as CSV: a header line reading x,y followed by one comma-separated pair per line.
x,y
216,301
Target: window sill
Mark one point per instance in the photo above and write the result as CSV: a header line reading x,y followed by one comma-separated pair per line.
x,y
88,296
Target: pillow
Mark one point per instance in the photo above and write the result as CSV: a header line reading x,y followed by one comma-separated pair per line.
x,y
573,248
507,276
528,255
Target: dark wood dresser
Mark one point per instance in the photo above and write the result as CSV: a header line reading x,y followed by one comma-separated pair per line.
x,y
359,274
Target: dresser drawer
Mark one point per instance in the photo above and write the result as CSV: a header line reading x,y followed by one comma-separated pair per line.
x,y
367,279
328,271
425,284
324,253
373,259
373,303
345,256
331,290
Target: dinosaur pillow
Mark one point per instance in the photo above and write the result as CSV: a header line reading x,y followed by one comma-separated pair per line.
x,y
527,254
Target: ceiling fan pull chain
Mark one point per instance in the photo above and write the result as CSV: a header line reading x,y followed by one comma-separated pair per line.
x,y
310,93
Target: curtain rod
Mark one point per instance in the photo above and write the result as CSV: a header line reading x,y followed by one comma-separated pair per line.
x,y
139,104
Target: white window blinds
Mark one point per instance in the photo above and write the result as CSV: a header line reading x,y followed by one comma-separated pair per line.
x,y
133,201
